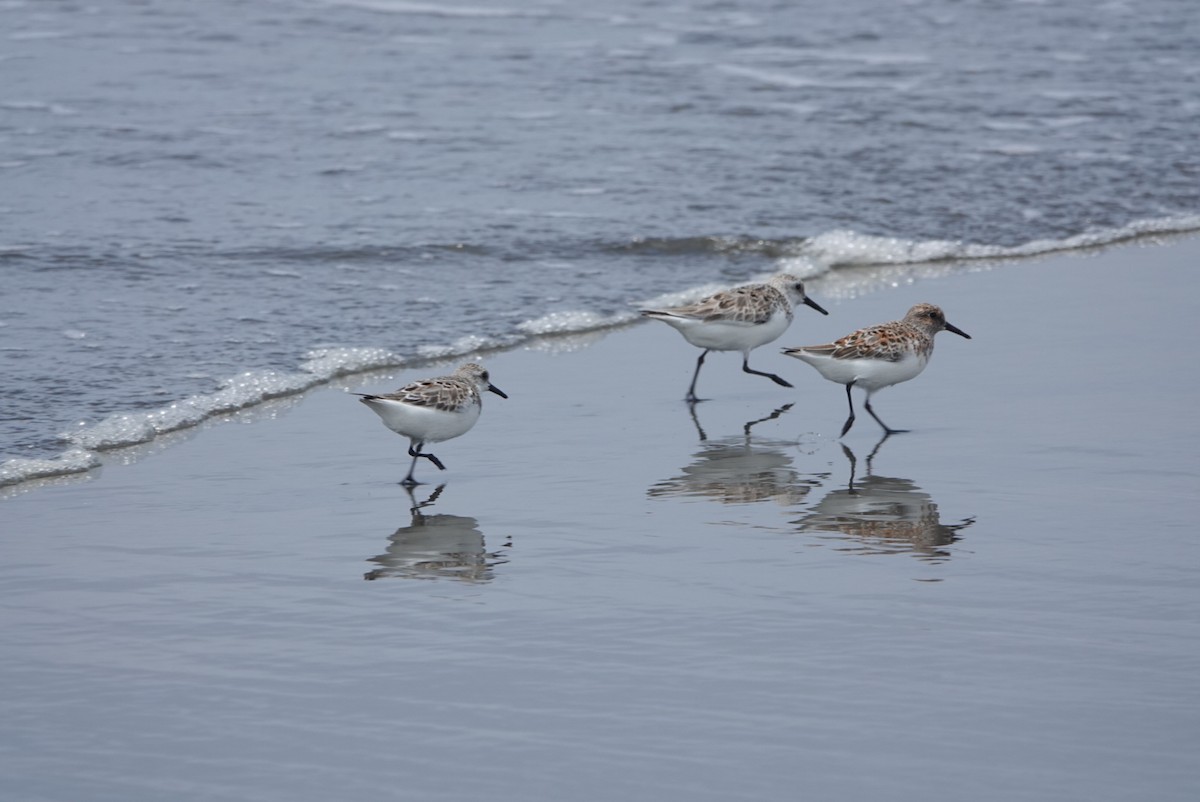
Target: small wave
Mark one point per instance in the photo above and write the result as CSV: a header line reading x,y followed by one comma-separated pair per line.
x,y
844,247
75,460
242,391
463,345
820,257
247,389
848,248
687,246
574,322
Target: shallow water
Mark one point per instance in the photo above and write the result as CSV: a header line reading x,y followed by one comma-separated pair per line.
x,y
196,197
611,597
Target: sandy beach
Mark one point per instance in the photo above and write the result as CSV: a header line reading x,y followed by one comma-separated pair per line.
x,y
611,597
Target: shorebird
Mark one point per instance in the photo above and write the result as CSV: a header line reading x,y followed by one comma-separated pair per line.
x,y
879,356
737,319
433,410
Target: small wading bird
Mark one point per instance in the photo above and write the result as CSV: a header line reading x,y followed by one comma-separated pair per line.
x,y
879,356
737,319
433,410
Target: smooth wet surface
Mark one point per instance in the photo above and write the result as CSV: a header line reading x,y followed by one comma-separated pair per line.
x,y
190,191
612,598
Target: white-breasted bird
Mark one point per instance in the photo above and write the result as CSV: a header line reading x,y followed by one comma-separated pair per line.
x,y
879,356
738,319
433,410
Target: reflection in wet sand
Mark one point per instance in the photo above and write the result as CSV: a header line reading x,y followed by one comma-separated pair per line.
x,y
732,470
437,547
884,514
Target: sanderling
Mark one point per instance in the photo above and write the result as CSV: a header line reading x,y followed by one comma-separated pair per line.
x,y
737,319
879,356
433,410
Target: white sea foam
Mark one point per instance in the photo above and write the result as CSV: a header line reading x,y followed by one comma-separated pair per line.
x,y
681,297
463,345
844,248
244,390
75,460
239,392
329,363
572,322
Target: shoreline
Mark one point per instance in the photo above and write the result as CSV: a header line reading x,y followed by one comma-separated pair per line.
x,y
79,463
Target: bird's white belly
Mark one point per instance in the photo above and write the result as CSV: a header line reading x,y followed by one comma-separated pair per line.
x,y
723,336
870,374
424,423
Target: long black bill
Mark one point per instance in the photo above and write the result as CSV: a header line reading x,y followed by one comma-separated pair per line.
x,y
957,330
494,389
810,302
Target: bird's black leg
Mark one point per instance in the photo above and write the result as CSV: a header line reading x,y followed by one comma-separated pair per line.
x,y
747,369
886,428
415,452
850,420
691,393
409,481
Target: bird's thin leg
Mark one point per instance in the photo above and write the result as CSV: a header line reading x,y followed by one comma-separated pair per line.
x,y
850,420
409,481
415,452
691,393
886,428
747,369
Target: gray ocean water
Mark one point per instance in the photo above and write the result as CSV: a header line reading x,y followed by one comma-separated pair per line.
x,y
199,199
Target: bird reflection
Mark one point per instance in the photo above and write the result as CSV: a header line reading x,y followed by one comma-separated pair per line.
x,y
437,547
732,470
885,514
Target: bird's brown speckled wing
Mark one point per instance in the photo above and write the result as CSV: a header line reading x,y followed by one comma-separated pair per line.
x,y
445,394
752,304
886,341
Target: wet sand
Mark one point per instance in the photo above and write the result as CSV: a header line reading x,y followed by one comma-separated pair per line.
x,y
610,596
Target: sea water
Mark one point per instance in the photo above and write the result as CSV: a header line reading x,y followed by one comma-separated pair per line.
x,y
207,205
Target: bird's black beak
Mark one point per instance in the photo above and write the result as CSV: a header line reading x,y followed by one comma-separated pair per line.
x,y
494,389
957,330
810,302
